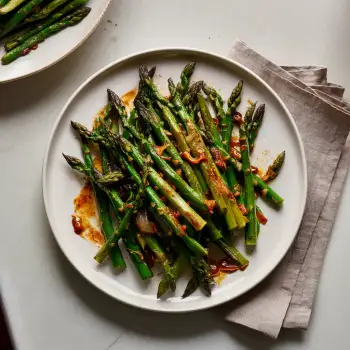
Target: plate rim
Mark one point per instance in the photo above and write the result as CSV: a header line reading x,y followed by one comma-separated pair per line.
x,y
178,51
59,59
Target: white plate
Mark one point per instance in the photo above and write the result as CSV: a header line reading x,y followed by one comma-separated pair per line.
x,y
54,48
278,133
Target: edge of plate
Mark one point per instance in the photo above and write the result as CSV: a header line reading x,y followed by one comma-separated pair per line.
x,y
176,50
91,30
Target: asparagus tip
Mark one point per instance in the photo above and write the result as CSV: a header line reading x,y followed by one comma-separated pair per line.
x,y
113,98
151,72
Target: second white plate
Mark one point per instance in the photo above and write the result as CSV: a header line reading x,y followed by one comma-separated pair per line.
x,y
278,133
54,48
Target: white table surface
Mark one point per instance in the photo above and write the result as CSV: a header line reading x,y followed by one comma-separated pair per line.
x,y
48,304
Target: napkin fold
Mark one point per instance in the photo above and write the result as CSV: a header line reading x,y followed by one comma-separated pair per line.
x,y
285,298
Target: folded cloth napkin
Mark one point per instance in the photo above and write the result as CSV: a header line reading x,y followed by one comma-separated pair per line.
x,y
285,298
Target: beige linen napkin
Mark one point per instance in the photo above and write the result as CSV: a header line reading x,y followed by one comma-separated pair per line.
x,y
285,298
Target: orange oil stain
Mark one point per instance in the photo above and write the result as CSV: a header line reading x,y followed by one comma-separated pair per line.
x,y
85,212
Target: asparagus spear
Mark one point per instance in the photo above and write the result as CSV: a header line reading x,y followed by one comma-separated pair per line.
x,y
18,16
129,240
248,117
256,123
226,127
192,93
274,169
182,86
233,253
11,5
261,218
68,21
123,225
250,233
200,268
136,256
216,100
102,202
266,191
79,166
170,276
46,10
38,27
226,123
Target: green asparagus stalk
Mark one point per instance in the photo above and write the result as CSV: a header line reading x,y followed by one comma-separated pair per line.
x,y
18,16
274,169
102,202
11,5
191,95
260,216
182,86
248,117
226,126
67,21
46,10
38,27
216,100
266,191
256,123
200,269
172,275
208,121
129,240
136,256
79,166
233,253
250,233
123,225
213,131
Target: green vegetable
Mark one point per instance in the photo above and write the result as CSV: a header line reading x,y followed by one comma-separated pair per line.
x,y
32,29
31,42
46,10
11,5
18,16
250,232
182,86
